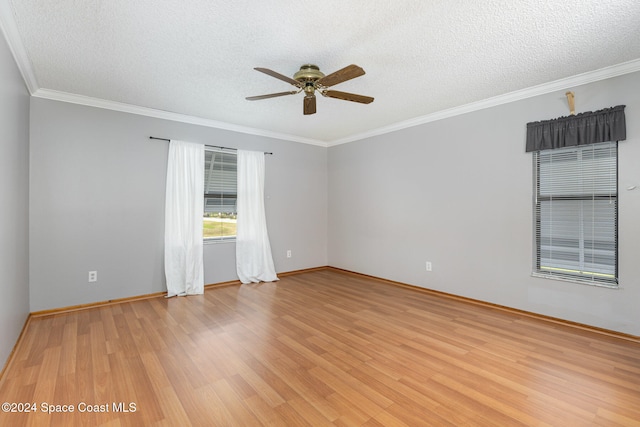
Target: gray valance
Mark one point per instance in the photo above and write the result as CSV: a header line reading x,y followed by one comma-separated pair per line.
x,y
585,128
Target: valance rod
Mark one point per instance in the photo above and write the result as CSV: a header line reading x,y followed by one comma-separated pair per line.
x,y
206,145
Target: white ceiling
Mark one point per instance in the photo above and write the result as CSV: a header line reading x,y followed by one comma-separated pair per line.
x,y
422,58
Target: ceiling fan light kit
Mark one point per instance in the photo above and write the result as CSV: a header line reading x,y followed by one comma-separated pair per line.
x,y
310,79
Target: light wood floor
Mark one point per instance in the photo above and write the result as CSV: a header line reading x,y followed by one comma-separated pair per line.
x,y
318,348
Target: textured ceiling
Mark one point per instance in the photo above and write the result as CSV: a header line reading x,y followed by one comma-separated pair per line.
x,y
421,57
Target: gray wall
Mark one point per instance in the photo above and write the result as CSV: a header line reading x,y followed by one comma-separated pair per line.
x,y
14,207
458,192
97,202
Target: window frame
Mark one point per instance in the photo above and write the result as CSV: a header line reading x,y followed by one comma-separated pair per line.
x,y
219,239
594,279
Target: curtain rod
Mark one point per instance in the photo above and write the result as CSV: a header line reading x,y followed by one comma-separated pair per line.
x,y
206,145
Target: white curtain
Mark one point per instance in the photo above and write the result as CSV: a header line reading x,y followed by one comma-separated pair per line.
x,y
254,262
183,219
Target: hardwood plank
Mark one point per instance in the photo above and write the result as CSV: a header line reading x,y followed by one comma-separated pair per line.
x,y
69,349
264,412
235,405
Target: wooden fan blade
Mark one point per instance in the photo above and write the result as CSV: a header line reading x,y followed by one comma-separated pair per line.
x,y
271,95
347,73
279,76
348,96
309,104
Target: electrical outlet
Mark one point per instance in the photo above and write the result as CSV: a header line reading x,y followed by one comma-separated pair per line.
x,y
428,266
289,253
93,276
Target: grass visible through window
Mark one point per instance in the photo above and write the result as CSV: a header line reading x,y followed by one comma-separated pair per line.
x,y
216,227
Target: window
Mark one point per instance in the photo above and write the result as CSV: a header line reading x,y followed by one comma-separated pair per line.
x,y
576,213
220,178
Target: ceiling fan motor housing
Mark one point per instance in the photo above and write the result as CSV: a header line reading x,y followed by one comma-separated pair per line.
x,y
308,75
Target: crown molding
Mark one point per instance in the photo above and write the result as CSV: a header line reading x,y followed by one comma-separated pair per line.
x,y
166,115
561,84
11,35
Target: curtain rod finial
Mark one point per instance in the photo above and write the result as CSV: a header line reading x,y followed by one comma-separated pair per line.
x,y
571,98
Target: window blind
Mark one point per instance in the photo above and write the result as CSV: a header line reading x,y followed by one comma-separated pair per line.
x,y
220,181
576,213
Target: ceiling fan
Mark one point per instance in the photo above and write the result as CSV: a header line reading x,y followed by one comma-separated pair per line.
x,y
310,79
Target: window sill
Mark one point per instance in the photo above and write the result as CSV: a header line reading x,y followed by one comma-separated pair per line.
x,y
218,240
614,286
